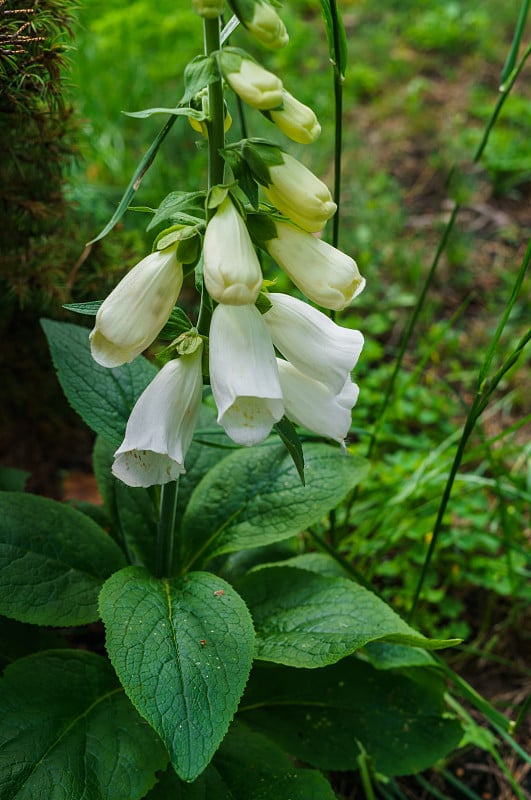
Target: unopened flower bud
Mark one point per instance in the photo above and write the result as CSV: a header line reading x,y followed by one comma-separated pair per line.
x,y
136,310
326,275
295,120
262,21
255,85
231,268
299,194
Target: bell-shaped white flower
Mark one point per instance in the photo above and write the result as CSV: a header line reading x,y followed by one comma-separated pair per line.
x,y
323,273
262,21
310,340
314,406
255,85
243,374
230,265
161,426
295,120
137,309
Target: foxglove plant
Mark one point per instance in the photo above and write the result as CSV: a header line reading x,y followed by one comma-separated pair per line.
x,y
184,613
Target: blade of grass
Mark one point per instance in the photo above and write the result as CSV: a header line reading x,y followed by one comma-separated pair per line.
x,y
484,391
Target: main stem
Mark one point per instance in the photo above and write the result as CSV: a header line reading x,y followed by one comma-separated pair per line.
x,y
216,141
166,529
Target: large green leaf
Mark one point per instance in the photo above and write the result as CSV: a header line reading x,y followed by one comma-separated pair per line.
x,y
303,619
67,732
247,766
183,651
319,715
255,497
102,397
53,561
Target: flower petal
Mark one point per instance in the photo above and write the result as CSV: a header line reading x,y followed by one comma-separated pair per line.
x,y
137,309
311,404
310,340
243,374
161,426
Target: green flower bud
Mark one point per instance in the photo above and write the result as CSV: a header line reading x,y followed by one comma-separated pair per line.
x,y
262,21
255,85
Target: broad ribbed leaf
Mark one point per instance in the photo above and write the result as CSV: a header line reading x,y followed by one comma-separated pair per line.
x,y
255,497
247,766
68,732
182,649
319,715
102,397
303,619
53,561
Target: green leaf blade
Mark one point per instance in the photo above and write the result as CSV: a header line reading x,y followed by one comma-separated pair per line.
x,y
68,731
254,497
53,561
182,649
303,619
319,715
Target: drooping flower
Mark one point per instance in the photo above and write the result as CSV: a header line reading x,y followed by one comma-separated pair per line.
x,y
243,374
313,405
326,275
134,313
295,120
231,268
262,21
256,86
299,194
310,340
161,426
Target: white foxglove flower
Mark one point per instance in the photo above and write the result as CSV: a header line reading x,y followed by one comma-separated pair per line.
x,y
262,21
310,340
324,274
255,85
299,194
314,406
243,374
231,268
137,309
161,426
295,120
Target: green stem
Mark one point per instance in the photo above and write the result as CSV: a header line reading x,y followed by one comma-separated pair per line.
x,y
338,145
216,124
166,529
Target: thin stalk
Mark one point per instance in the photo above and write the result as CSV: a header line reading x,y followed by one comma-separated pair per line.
x,y
484,391
166,529
338,129
450,778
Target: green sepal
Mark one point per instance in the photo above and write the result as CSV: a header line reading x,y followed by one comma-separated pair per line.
x,y
260,155
262,228
187,238
177,324
198,73
216,196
